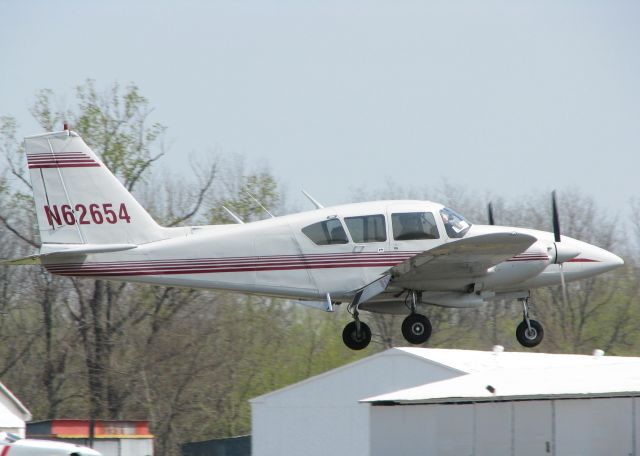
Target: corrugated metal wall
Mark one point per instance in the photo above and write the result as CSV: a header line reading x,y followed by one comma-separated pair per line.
x,y
584,427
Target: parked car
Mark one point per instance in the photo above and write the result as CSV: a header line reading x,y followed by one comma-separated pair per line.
x,y
13,445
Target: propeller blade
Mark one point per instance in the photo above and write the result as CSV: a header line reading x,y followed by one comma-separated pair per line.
x,y
490,214
561,256
565,300
556,218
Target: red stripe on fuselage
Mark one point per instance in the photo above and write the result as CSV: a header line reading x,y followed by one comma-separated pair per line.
x,y
532,258
114,273
249,264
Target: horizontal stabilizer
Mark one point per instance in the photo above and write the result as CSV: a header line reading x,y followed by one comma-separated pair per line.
x,y
33,259
83,249
67,250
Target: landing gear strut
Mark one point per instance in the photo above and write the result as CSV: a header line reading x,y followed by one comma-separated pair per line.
x,y
529,332
416,328
357,334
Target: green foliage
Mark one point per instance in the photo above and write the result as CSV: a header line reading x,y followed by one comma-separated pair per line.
x,y
114,123
254,190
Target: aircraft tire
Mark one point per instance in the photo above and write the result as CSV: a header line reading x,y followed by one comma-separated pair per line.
x,y
416,329
528,338
356,341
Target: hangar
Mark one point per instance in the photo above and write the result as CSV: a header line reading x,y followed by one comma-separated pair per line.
x,y
420,401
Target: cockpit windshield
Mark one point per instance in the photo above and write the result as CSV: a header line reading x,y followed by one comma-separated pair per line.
x,y
455,224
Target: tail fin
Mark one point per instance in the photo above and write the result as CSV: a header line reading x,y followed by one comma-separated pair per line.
x,y
78,200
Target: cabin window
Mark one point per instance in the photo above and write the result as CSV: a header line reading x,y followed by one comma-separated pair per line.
x,y
410,226
326,233
367,228
455,225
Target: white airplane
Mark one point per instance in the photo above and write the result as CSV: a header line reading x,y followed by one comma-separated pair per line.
x,y
13,445
383,256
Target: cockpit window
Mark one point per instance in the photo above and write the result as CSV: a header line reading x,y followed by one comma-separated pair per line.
x,y
414,225
367,228
327,232
455,224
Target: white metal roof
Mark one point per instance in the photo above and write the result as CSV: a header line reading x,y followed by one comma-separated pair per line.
x,y
424,354
11,409
520,376
471,362
478,361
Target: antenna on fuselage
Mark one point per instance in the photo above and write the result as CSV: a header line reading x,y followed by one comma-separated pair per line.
x,y
233,215
259,204
313,200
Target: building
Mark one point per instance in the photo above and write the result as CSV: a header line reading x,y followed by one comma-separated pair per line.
x,y
111,437
13,415
452,402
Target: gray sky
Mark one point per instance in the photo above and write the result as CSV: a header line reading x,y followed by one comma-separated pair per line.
x,y
508,97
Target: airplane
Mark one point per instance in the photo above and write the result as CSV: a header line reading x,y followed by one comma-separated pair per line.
x,y
393,257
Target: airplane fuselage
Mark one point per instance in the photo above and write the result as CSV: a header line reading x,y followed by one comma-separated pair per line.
x,y
275,257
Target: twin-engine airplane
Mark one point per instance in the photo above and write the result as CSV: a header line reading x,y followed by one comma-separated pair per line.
x,y
383,256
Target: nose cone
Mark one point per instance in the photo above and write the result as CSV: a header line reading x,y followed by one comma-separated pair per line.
x,y
596,260
612,260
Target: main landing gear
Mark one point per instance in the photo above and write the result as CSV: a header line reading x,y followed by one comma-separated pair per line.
x,y
529,332
416,328
357,334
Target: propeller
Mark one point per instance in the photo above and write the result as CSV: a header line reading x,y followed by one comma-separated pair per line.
x,y
490,214
562,253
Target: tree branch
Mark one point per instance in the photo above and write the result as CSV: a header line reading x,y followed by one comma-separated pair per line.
x,y
6,223
141,170
201,194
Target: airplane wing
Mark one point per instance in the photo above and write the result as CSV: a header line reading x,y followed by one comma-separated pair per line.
x,y
467,257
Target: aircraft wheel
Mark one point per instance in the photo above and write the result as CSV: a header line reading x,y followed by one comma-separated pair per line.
x,y
529,337
354,339
416,329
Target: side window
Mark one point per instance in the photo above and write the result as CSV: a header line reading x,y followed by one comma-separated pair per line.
x,y
325,233
414,225
367,228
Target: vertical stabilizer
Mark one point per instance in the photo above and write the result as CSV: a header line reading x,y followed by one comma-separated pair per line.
x,y
78,200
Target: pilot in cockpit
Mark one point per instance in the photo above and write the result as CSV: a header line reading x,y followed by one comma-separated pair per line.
x,y
455,225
